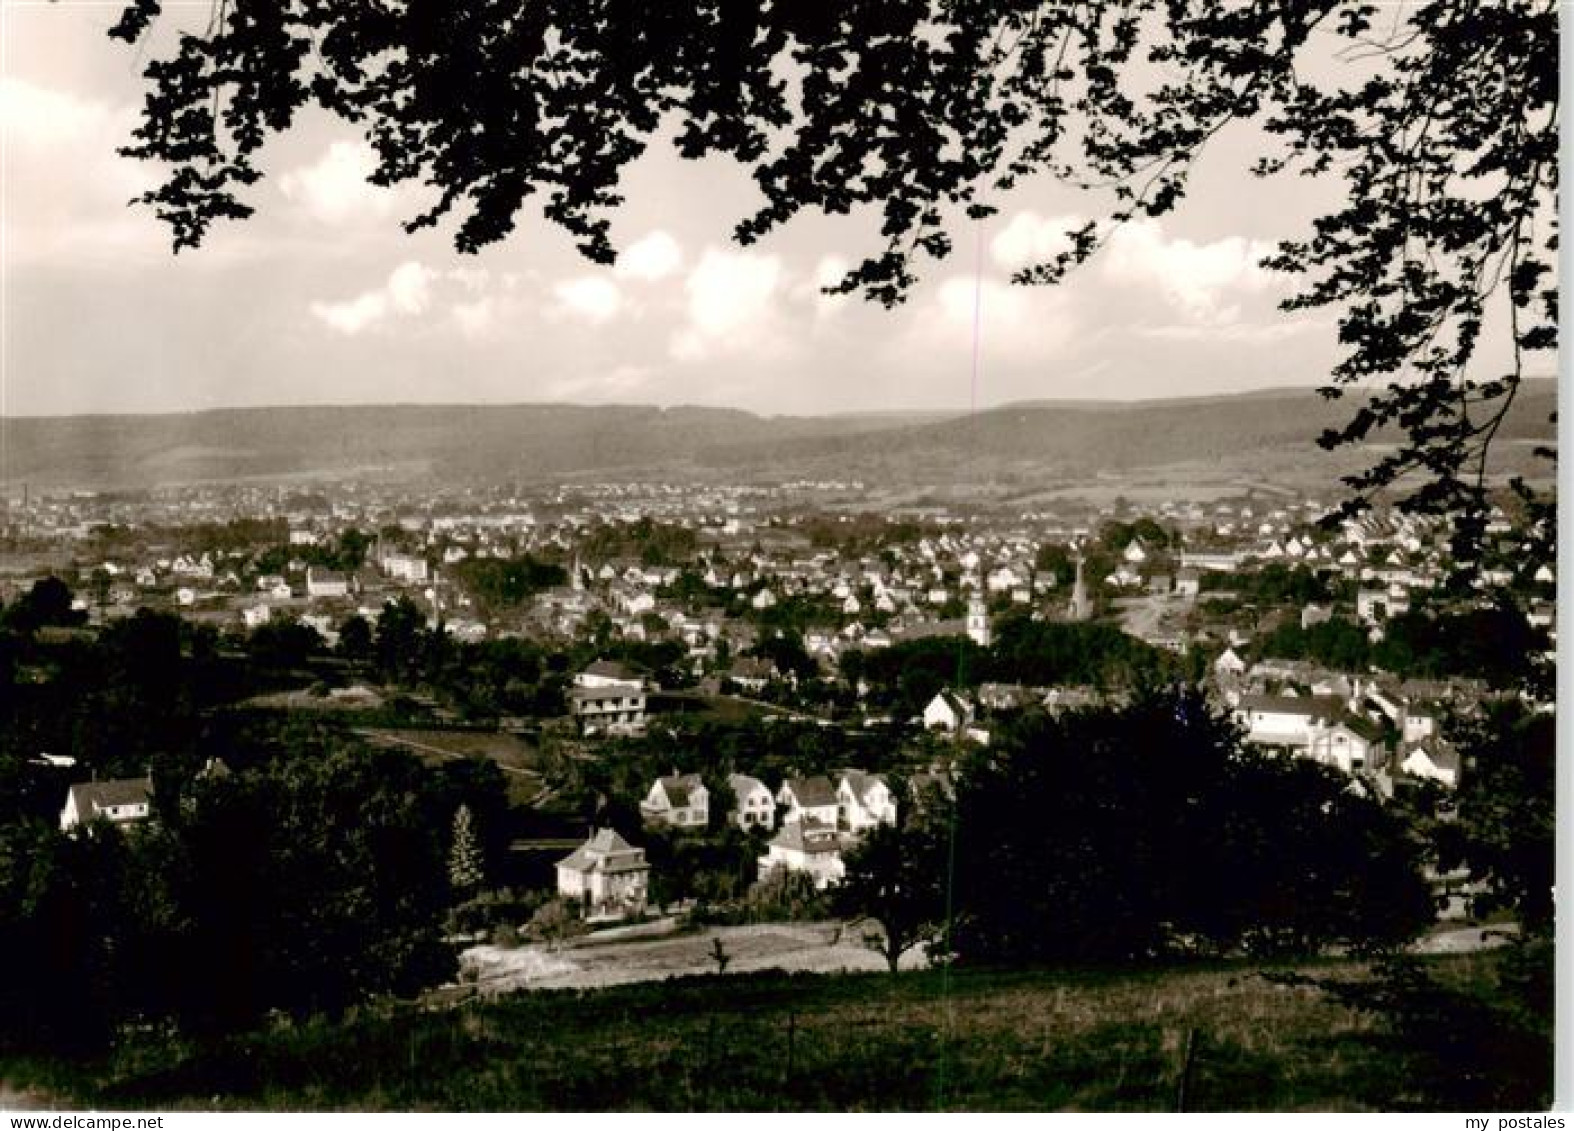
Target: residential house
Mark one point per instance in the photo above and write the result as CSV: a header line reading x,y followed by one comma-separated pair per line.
x,y
120,800
948,711
753,807
606,874
752,673
1431,759
1349,744
1229,665
406,568
326,584
808,799
610,708
1313,726
606,673
863,801
1286,720
1003,696
680,800
806,847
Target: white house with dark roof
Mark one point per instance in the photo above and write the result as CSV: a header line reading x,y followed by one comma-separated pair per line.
x,y
808,847
679,800
120,800
1313,726
808,799
606,874
607,673
754,807
1432,759
863,801
608,697
948,711
1286,720
326,584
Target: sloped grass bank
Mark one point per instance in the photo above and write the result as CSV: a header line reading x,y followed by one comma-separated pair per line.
x,y
1221,1037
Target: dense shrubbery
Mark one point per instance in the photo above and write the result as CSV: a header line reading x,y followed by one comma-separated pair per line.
x,y
497,584
1113,835
1272,584
906,676
302,885
1495,644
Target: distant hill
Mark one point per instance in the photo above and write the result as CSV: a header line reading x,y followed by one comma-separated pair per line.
x,y
1090,437
443,443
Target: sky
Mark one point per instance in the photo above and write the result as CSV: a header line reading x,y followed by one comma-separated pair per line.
x,y
320,298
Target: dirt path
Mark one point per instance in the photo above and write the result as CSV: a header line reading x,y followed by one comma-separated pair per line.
x,y
1462,940
817,947
813,947
15,1099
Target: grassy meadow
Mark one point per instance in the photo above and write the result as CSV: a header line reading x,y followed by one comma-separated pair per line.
x,y
1221,1037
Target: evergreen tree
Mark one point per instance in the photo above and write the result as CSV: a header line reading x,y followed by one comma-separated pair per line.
x,y
466,868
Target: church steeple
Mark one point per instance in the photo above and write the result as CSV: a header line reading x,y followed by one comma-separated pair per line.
x,y
978,619
1081,606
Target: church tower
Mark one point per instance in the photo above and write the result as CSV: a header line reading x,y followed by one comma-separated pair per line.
x,y
978,620
1081,606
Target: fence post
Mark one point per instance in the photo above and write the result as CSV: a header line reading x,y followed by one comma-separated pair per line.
x,y
1190,1058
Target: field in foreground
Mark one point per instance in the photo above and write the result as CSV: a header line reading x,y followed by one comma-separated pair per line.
x,y
1100,1041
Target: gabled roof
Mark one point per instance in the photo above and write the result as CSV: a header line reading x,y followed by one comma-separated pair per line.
x,y
752,667
1441,753
612,669
606,691
811,793
1312,706
955,703
1366,728
93,796
679,787
808,837
743,783
861,784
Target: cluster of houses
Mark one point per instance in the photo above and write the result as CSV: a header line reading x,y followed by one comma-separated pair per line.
x,y
1369,731
753,554
815,820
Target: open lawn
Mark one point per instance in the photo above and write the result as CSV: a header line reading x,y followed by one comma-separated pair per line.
x,y
1216,1037
518,759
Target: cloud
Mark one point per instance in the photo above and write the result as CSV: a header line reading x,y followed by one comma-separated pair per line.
x,y
66,188
828,271
730,299
354,315
1283,326
477,318
407,292
650,259
36,115
589,297
1202,281
334,188
1030,238
1013,324
410,288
